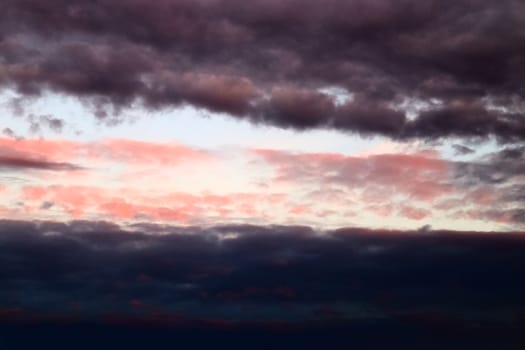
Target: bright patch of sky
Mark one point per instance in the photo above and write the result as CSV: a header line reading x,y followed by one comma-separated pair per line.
x,y
198,128
186,125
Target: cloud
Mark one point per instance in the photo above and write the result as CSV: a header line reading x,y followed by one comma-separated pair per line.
x,y
87,271
47,121
414,186
21,162
134,180
121,180
414,70
502,167
116,150
19,154
462,150
8,132
47,205
419,176
129,203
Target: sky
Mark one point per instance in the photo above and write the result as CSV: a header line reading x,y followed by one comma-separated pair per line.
x,y
203,155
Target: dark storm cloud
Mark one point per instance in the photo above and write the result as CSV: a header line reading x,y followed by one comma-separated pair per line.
x,y
266,61
241,273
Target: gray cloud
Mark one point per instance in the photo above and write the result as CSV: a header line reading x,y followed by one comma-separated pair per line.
x,y
13,160
267,61
271,272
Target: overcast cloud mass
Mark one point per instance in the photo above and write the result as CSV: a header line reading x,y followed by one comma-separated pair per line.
x,y
457,65
304,172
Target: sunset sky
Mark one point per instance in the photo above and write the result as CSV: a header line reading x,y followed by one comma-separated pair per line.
x,y
204,152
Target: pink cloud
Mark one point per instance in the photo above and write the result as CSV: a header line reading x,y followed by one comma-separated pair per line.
x,y
128,151
380,209
413,213
34,193
128,203
418,184
420,176
299,209
120,150
135,180
50,149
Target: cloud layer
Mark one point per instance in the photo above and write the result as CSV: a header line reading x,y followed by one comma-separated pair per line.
x,y
166,275
143,237
124,180
410,69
